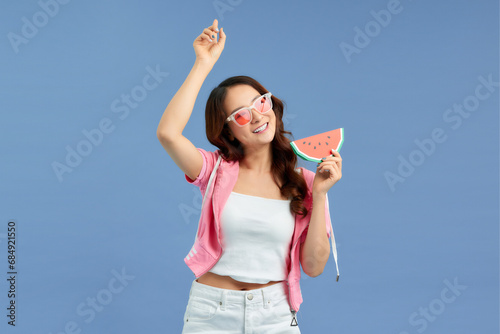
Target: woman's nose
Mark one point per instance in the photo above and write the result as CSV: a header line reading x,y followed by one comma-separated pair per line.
x,y
256,115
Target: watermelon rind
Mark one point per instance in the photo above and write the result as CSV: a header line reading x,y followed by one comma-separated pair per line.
x,y
309,158
341,140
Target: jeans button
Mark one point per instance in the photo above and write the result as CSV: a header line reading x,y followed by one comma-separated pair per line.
x,y
250,296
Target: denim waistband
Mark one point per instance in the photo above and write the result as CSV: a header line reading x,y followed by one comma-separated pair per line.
x,y
264,296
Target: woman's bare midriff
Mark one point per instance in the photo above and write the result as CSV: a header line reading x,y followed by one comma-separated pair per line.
x,y
226,282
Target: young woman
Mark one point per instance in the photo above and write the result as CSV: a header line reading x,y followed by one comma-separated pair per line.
x,y
263,217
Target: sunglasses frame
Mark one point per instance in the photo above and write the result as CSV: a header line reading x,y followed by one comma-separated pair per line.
x,y
231,117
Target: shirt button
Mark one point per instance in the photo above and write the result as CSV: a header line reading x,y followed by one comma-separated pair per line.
x,y
250,296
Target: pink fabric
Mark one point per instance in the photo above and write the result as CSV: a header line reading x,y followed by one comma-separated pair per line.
x,y
207,249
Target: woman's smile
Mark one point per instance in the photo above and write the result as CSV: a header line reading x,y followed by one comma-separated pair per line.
x,y
262,128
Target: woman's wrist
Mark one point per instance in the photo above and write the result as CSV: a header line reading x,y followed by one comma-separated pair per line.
x,y
203,64
318,195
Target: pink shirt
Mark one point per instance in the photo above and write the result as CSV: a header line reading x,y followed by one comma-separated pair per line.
x,y
207,248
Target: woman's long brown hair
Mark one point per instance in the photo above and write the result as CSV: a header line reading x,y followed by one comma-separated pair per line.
x,y
284,159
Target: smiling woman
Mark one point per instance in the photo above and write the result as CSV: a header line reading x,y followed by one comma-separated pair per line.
x,y
260,223
265,154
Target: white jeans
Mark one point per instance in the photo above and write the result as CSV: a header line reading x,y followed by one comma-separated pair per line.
x,y
213,310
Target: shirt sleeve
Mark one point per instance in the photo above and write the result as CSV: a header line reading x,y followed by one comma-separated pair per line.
x,y
209,161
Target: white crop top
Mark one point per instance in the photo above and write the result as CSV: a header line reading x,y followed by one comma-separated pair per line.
x,y
256,237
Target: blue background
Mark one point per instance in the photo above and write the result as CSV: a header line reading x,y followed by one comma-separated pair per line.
x,y
120,208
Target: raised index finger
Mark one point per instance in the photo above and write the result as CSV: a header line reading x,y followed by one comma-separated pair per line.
x,y
214,25
336,154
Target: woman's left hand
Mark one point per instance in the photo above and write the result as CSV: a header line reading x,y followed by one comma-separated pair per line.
x,y
328,173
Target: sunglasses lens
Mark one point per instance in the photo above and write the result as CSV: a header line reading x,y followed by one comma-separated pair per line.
x,y
242,117
263,105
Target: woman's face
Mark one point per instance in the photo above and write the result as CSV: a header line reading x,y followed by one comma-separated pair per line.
x,y
244,96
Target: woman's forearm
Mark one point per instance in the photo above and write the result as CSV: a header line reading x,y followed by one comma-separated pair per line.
x,y
178,111
316,249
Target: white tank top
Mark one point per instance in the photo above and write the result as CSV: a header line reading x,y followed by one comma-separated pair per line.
x,y
256,237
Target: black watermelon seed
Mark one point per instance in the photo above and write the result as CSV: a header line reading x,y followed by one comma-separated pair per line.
x,y
314,147
303,142
326,143
319,143
309,143
328,136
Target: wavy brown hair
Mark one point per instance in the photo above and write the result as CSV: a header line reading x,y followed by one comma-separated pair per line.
x,y
284,159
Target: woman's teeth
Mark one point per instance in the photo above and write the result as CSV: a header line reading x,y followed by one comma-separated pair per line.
x,y
259,129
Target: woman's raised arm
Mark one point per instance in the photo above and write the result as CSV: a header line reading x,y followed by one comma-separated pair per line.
x,y
178,111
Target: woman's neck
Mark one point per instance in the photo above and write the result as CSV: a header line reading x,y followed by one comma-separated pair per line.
x,y
258,160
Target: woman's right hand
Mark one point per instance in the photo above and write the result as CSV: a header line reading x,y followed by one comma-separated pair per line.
x,y
207,51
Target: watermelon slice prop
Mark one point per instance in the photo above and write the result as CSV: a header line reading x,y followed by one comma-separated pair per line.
x,y
315,147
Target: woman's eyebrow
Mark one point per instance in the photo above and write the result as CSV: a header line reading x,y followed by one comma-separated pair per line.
x,y
255,98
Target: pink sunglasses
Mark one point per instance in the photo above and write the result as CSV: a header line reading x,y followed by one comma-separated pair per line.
x,y
243,116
